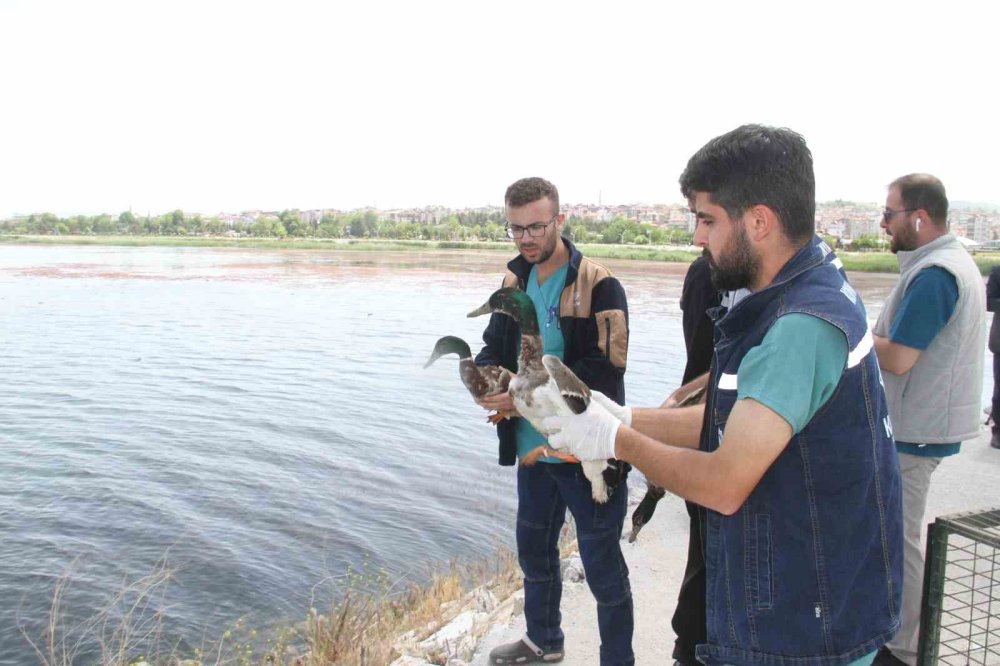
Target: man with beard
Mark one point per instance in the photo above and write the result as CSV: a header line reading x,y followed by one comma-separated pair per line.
x,y
583,318
929,339
792,458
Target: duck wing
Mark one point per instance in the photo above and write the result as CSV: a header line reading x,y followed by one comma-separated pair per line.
x,y
573,390
497,376
483,380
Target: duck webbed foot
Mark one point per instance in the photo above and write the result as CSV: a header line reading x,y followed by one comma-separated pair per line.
x,y
502,414
546,451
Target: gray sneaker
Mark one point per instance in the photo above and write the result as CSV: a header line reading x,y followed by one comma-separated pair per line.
x,y
524,651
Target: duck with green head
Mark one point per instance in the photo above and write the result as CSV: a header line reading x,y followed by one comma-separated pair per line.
x,y
481,381
543,385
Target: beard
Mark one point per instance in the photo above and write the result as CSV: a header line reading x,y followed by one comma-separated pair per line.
x,y
905,239
544,250
737,268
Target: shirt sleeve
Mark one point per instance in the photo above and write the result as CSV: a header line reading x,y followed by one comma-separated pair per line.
x,y
926,307
795,369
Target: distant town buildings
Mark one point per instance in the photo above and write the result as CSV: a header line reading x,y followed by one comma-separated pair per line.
x,y
844,221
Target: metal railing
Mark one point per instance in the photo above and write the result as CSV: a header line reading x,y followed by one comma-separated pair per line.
x,y
960,615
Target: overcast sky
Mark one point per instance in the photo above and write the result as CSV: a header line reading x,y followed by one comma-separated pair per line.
x,y
227,106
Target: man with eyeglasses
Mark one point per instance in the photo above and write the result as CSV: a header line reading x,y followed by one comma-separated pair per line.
x,y
929,339
583,318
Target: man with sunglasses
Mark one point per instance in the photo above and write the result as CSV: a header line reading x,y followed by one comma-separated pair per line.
x,y
929,339
583,318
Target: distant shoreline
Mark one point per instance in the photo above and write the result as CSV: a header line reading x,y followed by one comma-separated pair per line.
x,y
868,262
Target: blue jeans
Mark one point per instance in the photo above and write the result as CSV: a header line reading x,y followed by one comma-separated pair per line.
x,y
544,492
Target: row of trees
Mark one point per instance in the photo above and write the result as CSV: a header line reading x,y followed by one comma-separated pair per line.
x,y
473,225
870,242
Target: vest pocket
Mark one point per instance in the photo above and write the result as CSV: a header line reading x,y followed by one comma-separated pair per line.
x,y
764,574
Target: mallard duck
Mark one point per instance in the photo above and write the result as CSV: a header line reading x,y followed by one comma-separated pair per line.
x,y
644,512
480,380
543,386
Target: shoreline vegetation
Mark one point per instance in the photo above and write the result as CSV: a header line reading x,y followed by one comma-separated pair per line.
x,y
868,262
375,621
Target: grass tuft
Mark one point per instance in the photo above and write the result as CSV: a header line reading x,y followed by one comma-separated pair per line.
x,y
373,620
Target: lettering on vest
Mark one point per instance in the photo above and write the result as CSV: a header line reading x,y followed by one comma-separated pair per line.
x,y
819,612
888,426
848,290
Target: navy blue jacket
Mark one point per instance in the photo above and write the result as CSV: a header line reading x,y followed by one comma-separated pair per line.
x,y
808,571
593,316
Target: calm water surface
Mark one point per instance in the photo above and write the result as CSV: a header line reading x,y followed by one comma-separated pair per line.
x,y
259,421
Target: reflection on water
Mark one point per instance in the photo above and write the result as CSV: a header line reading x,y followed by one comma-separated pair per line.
x,y
259,419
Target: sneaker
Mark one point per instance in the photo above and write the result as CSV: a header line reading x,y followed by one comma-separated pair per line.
x,y
524,652
885,657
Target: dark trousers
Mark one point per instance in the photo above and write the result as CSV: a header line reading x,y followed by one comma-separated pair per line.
x,y
689,616
544,492
996,389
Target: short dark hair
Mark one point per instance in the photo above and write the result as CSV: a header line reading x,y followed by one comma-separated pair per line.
x,y
530,190
755,164
923,191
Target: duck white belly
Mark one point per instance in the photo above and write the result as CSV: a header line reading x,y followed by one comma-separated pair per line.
x,y
541,402
538,404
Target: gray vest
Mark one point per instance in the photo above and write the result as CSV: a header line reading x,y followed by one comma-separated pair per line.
x,y
938,400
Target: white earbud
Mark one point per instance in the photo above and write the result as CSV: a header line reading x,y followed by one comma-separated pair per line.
x,y
918,224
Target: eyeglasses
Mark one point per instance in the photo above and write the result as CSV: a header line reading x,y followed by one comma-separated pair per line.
x,y
534,230
888,213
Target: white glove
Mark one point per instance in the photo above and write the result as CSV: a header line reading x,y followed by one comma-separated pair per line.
x,y
588,436
620,412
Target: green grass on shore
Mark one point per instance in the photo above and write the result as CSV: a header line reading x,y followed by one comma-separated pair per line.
x,y
886,262
868,262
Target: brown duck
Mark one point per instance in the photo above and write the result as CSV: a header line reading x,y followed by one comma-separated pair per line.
x,y
480,380
543,386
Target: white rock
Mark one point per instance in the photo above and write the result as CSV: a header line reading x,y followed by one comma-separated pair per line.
x,y
484,600
451,632
407,660
572,570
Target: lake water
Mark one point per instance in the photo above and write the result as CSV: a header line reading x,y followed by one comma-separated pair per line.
x,y
260,421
